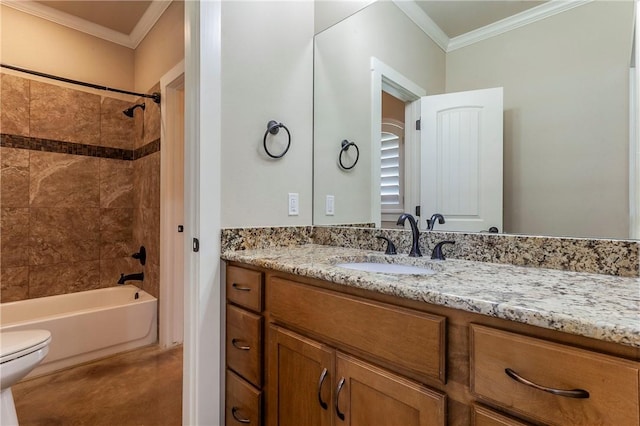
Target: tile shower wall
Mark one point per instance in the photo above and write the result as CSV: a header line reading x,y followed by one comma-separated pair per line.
x,y
68,217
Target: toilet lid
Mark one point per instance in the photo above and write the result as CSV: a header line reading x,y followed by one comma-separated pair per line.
x,y
14,344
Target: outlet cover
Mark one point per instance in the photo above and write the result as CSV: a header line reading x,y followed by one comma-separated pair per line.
x,y
329,206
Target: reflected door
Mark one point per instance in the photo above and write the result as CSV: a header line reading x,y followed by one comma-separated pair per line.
x,y
461,159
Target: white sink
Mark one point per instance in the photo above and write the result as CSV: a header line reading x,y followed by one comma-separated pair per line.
x,y
387,268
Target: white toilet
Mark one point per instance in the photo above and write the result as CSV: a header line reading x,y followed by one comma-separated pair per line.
x,y
20,352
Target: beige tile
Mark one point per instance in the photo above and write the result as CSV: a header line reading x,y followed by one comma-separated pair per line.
x,y
14,187
114,249
110,270
63,235
138,125
116,129
64,114
14,105
63,180
14,283
147,181
61,278
116,225
152,279
14,236
116,183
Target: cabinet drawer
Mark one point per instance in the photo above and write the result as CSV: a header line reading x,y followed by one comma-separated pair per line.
x,y
244,287
611,383
243,402
405,338
244,344
483,416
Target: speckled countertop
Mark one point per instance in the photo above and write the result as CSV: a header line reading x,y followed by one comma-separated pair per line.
x,y
603,307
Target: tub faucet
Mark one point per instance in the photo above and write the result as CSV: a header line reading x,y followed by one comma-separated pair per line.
x,y
135,277
415,244
431,223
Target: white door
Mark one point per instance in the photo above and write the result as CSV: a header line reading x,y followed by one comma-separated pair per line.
x,y
461,160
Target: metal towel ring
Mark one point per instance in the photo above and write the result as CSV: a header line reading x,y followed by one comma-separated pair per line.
x,y
273,127
345,147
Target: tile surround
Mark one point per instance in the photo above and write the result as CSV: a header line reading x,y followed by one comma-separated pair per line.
x,y
67,183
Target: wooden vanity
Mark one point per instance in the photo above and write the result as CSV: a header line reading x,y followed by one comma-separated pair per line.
x,y
306,351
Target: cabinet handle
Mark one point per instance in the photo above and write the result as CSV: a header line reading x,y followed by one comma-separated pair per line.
x,y
569,393
235,343
234,412
239,287
323,376
338,389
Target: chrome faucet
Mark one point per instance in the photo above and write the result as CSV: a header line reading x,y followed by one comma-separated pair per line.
x,y
134,277
432,222
415,245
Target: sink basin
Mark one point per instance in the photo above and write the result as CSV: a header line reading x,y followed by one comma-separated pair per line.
x,y
387,268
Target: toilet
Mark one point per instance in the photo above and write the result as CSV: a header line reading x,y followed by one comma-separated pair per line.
x,y
20,353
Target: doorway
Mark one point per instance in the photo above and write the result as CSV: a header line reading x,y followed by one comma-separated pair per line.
x,y
172,208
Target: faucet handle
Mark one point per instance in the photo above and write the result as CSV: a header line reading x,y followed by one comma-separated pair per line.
x,y
391,248
437,250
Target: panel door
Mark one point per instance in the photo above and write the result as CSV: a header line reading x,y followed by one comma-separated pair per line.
x,y
300,380
367,395
461,159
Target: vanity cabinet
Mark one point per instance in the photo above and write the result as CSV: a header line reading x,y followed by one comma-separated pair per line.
x,y
244,346
312,382
553,383
332,355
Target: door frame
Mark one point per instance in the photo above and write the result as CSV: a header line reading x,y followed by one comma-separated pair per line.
x,y
171,318
384,77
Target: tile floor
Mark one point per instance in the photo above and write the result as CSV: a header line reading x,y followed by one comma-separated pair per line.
x,y
142,387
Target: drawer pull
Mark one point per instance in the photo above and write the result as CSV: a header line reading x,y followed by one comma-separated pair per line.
x,y
237,345
569,393
323,376
240,288
234,411
338,389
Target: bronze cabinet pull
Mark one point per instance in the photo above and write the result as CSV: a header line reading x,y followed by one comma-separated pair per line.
x,y
234,411
338,389
569,393
235,343
239,287
323,376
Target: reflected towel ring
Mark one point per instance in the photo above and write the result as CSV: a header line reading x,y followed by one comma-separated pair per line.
x,y
273,127
345,147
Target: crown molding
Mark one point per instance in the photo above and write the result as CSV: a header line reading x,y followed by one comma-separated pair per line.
x,y
551,8
148,20
422,20
152,14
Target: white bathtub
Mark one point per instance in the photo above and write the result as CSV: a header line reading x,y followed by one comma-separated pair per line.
x,y
86,325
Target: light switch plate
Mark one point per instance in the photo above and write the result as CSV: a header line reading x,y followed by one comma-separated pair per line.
x,y
294,204
329,206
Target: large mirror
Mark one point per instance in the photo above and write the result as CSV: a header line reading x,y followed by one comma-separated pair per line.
x,y
567,118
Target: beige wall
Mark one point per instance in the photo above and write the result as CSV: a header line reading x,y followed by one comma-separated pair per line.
x,y
565,82
161,49
330,12
267,69
342,103
30,42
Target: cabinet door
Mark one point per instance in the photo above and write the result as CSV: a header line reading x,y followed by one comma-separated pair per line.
x,y
367,395
300,377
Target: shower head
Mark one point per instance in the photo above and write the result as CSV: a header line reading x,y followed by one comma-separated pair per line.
x,y
129,111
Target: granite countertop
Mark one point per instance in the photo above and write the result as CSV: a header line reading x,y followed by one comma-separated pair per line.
x,y
602,307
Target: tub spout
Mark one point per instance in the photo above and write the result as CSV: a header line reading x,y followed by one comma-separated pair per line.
x,y
135,277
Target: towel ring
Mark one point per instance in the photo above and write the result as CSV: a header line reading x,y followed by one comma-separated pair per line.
x,y
345,147
273,127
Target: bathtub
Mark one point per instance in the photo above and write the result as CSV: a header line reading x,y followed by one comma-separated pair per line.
x,y
86,325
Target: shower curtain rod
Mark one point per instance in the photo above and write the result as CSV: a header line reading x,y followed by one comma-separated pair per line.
x,y
155,96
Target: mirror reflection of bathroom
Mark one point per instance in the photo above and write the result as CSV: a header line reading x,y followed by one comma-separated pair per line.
x,y
82,195
392,157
